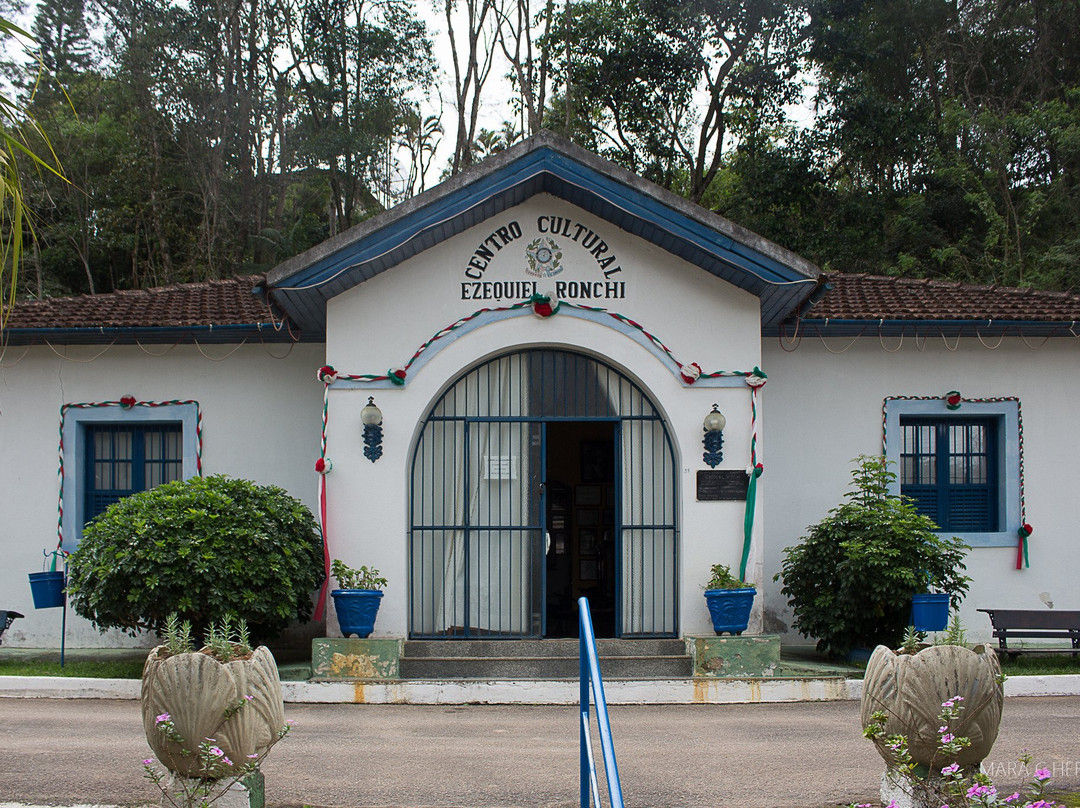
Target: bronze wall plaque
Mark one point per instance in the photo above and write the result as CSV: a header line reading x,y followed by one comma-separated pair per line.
x,y
719,485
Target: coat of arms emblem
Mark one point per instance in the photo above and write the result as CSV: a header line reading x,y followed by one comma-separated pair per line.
x,y
544,257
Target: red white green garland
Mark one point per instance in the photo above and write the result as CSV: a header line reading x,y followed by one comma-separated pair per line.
x,y
126,402
543,306
953,401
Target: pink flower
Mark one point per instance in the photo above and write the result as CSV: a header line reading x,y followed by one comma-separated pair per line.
x,y
253,757
250,698
981,791
216,751
947,738
226,761
148,762
1014,796
1042,774
952,768
161,719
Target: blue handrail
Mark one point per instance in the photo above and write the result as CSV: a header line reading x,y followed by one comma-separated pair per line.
x,y
590,674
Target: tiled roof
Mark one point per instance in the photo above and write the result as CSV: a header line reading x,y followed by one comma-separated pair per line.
x,y
169,311
194,310
874,298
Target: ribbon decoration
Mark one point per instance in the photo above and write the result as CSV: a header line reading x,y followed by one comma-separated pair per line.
x,y
327,375
953,400
1023,532
755,379
126,403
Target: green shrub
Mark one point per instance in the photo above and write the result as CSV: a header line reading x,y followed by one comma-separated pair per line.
x,y
851,579
203,548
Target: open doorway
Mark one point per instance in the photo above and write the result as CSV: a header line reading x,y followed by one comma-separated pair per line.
x,y
581,525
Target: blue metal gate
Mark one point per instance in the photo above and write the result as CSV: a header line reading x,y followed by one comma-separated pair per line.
x,y
478,536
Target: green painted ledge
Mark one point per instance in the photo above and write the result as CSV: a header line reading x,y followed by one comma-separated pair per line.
x,y
350,658
735,657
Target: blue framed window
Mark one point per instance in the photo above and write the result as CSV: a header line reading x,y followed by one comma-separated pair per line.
x,y
123,459
110,453
948,466
962,467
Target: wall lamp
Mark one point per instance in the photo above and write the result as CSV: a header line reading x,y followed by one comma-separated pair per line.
x,y
371,418
714,438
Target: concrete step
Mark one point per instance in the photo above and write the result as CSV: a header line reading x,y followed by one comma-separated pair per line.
x,y
545,667
541,659
540,648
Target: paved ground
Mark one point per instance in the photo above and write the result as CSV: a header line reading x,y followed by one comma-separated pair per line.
x,y
57,752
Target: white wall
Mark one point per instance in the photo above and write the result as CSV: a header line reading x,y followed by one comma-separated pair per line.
x,y
380,323
825,408
261,420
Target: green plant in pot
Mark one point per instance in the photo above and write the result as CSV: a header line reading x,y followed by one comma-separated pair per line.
x,y
358,598
729,600
851,579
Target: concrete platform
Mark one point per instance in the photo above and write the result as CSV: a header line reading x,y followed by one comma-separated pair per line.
x,y
422,691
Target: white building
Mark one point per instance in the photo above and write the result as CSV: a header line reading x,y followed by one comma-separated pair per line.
x,y
529,457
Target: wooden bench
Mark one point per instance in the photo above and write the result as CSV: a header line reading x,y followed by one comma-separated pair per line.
x,y
1030,624
6,619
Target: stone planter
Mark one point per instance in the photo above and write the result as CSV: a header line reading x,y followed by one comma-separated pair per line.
x,y
910,688
199,693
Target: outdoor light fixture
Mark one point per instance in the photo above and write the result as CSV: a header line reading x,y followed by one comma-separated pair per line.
x,y
371,418
714,438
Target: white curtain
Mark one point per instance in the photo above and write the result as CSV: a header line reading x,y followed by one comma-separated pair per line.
x,y
648,498
478,578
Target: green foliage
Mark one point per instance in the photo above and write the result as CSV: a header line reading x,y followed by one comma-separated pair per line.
x,y
203,548
954,634
226,639
362,578
912,641
177,635
723,579
851,579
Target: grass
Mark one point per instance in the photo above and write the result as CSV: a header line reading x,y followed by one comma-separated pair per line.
x,y
89,668
1040,665
107,664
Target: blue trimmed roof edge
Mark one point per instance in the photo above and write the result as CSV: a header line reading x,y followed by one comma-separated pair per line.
x,y
547,163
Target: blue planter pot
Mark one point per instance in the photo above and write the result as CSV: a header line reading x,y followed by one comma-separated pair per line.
x,y
930,611
356,610
47,589
730,609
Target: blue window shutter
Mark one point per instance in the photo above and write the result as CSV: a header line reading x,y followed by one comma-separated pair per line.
x,y
123,459
950,471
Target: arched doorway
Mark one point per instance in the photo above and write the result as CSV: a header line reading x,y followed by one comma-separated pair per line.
x,y
540,476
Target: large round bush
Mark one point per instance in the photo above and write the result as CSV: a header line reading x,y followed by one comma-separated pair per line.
x,y
851,579
203,548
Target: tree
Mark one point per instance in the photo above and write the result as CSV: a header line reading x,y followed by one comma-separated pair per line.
x,y
203,548
959,123
18,133
521,34
640,67
850,579
472,45
63,43
353,67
